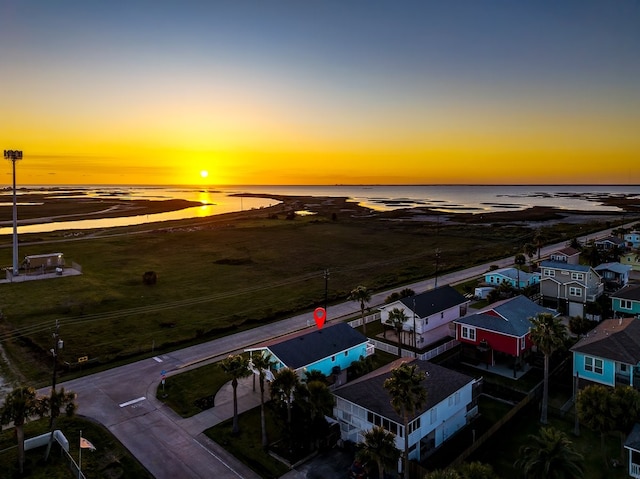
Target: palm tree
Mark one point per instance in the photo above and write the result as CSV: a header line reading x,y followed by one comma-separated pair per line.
x,y
538,241
57,401
550,455
597,408
397,318
447,473
318,403
476,470
236,366
408,395
362,295
262,363
530,250
549,335
379,446
19,405
284,383
519,261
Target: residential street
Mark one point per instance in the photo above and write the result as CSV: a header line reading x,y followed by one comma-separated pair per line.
x,y
123,399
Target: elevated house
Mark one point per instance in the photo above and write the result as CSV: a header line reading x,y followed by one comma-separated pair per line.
x,y
609,243
609,354
632,444
517,279
451,403
499,334
626,302
631,258
330,350
614,275
567,285
632,239
429,313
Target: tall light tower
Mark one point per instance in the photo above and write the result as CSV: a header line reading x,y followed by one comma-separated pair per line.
x,y
13,156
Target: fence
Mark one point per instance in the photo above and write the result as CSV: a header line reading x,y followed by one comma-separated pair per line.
x,y
493,429
367,319
73,465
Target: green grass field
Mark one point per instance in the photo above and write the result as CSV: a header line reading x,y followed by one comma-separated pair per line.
x,y
214,280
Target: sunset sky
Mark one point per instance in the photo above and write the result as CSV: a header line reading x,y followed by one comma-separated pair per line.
x,y
321,92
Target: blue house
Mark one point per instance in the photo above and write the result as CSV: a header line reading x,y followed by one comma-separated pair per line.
x,y
609,354
516,279
614,275
626,302
633,239
329,350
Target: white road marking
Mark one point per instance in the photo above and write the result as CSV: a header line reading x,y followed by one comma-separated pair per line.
x,y
133,401
218,458
157,359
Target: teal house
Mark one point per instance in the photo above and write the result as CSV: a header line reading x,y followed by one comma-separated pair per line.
x,y
626,302
330,350
609,354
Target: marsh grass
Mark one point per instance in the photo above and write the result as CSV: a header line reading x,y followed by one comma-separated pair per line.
x,y
204,291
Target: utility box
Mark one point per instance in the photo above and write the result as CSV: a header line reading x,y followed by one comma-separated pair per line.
x,y
43,262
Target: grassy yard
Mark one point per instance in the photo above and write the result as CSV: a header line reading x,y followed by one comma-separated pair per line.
x,y
110,460
502,451
247,446
214,280
192,392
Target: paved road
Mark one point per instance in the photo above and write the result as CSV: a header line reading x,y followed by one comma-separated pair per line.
x,y
123,398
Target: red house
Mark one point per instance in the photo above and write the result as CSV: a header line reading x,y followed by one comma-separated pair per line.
x,y
500,333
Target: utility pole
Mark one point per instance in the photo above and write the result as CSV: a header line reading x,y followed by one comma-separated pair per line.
x,y
57,346
435,284
326,287
13,156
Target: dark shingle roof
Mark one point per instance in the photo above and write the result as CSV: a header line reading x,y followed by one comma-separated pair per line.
x,y
633,439
560,265
434,301
309,348
613,339
628,292
510,317
369,392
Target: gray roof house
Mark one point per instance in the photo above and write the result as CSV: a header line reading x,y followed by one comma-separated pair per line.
x,y
614,275
430,314
329,350
569,286
364,403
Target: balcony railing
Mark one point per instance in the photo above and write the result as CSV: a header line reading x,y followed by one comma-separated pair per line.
x,y
634,471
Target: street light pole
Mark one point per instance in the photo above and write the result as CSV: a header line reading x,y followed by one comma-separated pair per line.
x,y
13,156
57,346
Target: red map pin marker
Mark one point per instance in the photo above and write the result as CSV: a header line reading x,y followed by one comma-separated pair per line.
x,y
320,315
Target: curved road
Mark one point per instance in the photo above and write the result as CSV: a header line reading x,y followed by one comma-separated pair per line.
x,y
123,398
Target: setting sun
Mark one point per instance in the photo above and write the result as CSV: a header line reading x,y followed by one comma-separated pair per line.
x,y
204,173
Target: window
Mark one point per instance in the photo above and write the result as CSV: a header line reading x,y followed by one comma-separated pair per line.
x,y
333,359
593,365
468,333
625,304
414,425
573,291
346,353
549,272
434,415
577,276
523,343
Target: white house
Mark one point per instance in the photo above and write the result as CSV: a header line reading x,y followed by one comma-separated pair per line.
x,y
364,403
429,313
